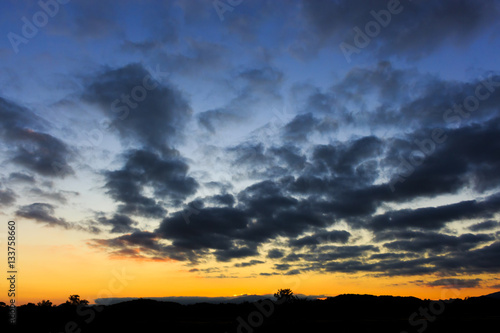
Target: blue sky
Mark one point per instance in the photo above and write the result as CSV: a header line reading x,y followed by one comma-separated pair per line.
x,y
119,119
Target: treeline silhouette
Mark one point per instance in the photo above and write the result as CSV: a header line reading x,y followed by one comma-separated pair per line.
x,y
286,313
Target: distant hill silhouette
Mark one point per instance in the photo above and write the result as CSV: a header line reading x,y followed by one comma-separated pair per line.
x,y
343,313
186,300
494,295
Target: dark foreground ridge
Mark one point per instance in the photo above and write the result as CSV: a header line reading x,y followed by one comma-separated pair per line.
x,y
344,313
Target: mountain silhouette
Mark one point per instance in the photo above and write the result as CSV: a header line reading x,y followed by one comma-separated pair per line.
x,y
343,313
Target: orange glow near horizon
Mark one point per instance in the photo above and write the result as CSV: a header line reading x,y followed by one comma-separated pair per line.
x,y
55,267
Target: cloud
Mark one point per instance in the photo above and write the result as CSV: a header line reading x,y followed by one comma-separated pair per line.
x,y
7,197
415,31
20,177
42,213
59,196
455,283
199,58
281,267
322,237
256,89
433,242
249,263
142,245
486,225
293,272
42,153
119,223
434,218
166,174
212,228
223,199
89,20
275,254
36,151
141,108
301,188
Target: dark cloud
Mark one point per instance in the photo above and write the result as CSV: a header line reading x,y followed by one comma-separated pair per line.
x,y
119,223
249,263
422,242
415,31
223,199
142,245
42,213
166,174
235,253
88,20
21,178
212,228
434,218
272,162
59,196
42,153
322,237
300,127
304,188
455,283
7,197
347,159
293,272
15,117
486,225
139,106
275,254
330,252
383,98
211,120
474,262
281,267
289,156
256,89
37,151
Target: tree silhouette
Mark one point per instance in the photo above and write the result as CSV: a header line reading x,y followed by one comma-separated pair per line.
x,y
45,303
285,296
75,300
2,304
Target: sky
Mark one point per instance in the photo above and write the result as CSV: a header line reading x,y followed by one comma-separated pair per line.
x,y
234,147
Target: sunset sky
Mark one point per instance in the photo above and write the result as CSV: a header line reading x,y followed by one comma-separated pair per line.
x,y
229,147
